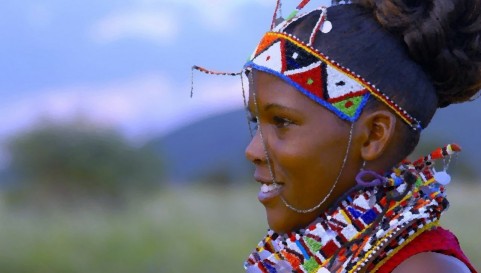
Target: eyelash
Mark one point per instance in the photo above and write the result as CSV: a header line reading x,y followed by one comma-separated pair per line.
x,y
278,121
281,122
253,119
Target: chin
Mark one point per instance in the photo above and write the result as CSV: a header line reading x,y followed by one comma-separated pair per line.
x,y
282,220
278,229
277,221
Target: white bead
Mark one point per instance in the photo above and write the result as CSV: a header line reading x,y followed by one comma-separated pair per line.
x,y
326,27
323,270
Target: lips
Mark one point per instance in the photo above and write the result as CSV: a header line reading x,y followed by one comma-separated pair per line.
x,y
268,190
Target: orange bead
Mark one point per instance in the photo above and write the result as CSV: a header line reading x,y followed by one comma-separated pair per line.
x,y
437,154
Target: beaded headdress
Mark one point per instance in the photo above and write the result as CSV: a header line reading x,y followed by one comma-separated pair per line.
x,y
315,74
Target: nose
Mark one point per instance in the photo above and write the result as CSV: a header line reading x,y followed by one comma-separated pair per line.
x,y
255,150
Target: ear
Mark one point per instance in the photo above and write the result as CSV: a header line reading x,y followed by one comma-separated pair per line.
x,y
377,129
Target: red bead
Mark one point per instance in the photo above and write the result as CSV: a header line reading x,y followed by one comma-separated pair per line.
x,y
437,154
455,147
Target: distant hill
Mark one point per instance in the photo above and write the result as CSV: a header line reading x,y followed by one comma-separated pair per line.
x,y
213,148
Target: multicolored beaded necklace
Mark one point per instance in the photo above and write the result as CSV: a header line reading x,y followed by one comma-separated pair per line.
x,y
366,226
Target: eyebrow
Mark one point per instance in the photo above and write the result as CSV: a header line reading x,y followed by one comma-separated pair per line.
x,y
275,106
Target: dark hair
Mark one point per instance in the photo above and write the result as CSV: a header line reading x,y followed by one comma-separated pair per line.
x,y
423,54
443,36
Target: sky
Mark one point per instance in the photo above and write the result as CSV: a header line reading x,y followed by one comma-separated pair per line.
x,y
125,63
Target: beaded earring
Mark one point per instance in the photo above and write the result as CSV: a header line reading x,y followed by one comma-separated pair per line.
x,y
368,178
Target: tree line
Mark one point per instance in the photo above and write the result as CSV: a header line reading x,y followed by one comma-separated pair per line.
x,y
75,161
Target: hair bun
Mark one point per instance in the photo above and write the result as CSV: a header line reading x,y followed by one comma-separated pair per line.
x,y
443,36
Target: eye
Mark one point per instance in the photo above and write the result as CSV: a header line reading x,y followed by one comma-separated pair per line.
x,y
281,122
252,118
253,122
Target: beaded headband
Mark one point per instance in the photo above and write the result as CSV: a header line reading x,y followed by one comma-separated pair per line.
x,y
315,74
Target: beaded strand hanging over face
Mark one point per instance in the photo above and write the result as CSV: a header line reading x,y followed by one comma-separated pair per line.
x,y
217,73
209,72
269,161
314,74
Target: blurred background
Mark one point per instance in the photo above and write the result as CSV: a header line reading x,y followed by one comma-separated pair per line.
x,y
108,165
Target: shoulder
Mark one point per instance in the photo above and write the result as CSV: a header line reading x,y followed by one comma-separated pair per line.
x,y
432,262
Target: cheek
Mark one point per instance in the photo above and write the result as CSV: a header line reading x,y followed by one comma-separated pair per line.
x,y
309,155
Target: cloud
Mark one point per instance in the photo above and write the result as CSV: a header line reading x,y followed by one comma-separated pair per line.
x,y
220,15
160,21
140,107
159,26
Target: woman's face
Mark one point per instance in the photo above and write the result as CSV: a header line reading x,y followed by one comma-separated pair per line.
x,y
306,144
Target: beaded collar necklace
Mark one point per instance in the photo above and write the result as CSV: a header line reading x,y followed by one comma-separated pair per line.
x,y
357,232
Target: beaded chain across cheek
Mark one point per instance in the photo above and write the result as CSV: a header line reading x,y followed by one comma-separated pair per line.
x,y
271,171
343,164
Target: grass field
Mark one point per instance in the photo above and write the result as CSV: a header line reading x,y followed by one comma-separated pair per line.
x,y
180,230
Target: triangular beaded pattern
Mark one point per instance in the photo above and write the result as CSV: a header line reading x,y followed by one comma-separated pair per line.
x,y
319,77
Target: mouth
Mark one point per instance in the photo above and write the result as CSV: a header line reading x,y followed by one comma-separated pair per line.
x,y
266,188
269,190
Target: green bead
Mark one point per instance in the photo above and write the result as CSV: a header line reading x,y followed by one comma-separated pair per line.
x,y
311,265
292,15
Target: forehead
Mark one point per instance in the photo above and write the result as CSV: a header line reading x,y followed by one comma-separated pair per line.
x,y
269,88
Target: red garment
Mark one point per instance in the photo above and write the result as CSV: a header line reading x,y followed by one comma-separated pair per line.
x,y
436,240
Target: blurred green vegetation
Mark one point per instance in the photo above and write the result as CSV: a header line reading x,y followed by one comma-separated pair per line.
x,y
78,197
180,230
74,161
188,229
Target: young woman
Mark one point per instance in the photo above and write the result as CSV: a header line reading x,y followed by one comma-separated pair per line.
x,y
340,96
